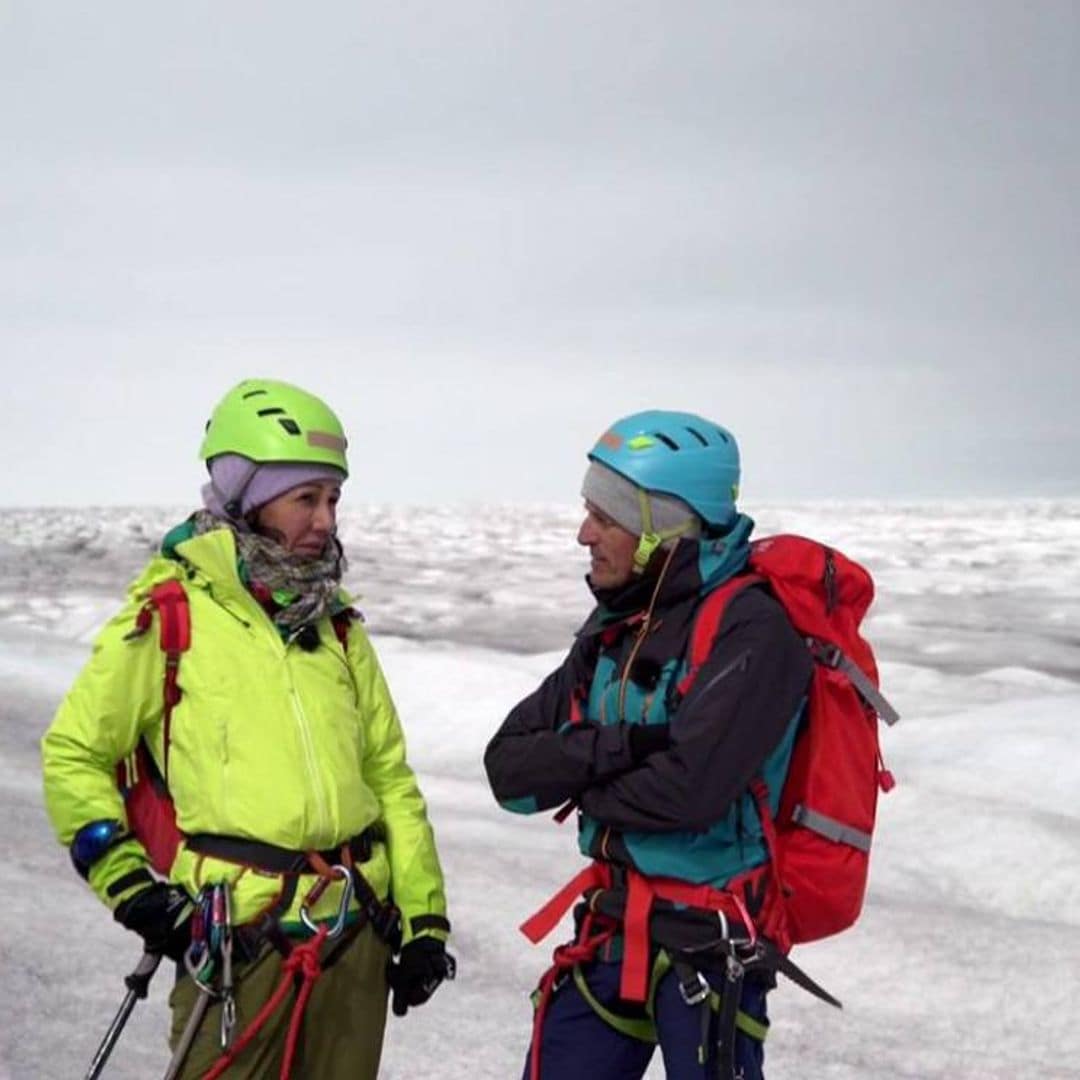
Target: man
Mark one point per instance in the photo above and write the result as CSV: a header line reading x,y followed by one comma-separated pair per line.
x,y
660,773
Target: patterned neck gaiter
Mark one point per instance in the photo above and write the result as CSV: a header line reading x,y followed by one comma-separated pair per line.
x,y
304,589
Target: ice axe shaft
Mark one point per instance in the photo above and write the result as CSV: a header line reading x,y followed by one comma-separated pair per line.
x,y
137,983
191,1029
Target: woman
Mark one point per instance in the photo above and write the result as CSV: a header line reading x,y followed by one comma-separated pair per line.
x,y
275,736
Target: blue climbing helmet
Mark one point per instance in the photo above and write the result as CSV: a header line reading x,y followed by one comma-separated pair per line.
x,y
679,454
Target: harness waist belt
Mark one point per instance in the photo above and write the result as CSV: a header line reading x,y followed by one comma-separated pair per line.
x,y
678,929
699,935
274,859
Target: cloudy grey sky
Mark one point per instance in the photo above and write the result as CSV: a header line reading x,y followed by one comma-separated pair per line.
x,y
484,228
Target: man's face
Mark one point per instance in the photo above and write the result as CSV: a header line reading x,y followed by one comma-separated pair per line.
x,y
611,548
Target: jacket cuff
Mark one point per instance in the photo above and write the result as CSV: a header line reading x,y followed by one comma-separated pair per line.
x,y
120,873
436,926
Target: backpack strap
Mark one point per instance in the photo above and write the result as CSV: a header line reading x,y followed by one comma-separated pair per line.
x,y
341,623
170,601
833,656
707,620
341,631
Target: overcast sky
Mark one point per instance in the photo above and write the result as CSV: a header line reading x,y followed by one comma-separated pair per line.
x,y
482,230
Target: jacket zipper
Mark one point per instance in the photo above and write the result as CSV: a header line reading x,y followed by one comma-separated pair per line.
x,y
309,754
740,663
299,714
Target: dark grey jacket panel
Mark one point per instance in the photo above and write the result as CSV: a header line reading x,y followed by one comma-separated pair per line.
x,y
530,757
744,698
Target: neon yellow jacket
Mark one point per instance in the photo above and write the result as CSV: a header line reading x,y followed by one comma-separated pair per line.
x,y
299,749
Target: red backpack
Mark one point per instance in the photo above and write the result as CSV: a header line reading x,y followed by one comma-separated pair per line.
x,y
819,841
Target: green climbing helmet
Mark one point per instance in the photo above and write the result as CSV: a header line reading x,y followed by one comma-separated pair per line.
x,y
266,420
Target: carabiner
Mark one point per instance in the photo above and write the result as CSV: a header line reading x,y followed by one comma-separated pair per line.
x,y
725,926
343,907
228,1005
198,956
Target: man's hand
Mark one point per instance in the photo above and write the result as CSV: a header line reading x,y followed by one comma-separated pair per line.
x,y
416,974
646,739
161,915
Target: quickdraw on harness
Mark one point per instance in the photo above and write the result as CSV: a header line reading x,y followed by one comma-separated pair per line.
x,y
818,844
300,961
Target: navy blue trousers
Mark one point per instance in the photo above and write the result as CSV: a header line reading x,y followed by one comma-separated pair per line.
x,y
576,1044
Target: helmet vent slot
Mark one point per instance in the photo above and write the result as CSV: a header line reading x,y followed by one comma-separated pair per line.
x,y
723,435
290,426
253,393
669,442
697,435
271,412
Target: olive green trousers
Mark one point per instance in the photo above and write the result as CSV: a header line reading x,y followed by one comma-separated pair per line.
x,y
343,1024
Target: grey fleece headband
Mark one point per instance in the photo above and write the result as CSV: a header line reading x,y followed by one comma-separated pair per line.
x,y
618,498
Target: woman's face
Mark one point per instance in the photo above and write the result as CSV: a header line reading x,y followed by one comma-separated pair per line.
x,y
302,519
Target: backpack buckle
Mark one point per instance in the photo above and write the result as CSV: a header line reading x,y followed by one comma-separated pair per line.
x,y
693,988
825,652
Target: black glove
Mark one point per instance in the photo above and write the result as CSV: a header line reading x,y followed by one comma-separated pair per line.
x,y
646,739
416,975
161,915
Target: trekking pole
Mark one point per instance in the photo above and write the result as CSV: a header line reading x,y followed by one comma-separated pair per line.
x,y
137,983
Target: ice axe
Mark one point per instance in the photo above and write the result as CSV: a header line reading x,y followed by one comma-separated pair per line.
x,y
138,984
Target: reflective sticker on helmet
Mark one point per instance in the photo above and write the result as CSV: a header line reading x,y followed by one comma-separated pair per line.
x,y
641,442
325,440
611,440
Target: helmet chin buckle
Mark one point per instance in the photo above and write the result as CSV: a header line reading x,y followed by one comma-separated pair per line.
x,y
647,545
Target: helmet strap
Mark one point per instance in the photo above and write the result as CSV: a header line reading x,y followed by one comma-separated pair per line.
x,y
650,540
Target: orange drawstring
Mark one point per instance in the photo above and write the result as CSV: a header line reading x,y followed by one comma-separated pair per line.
x,y
642,633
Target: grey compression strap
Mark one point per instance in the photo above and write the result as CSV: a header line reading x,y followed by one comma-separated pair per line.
x,y
833,657
830,828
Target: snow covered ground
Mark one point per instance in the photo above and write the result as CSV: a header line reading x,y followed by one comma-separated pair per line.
x,y
966,962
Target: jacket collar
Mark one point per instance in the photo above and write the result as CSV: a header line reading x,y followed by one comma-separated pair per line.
x,y
212,555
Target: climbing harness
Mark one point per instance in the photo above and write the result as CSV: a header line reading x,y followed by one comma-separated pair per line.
x,y
209,961
303,961
666,926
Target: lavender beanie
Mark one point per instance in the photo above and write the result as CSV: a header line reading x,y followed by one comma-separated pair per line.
x,y
237,479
